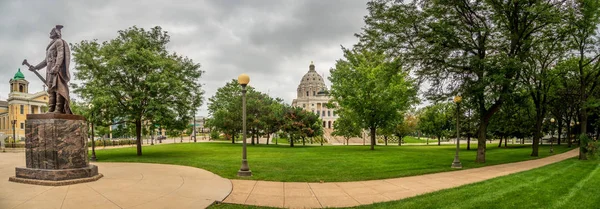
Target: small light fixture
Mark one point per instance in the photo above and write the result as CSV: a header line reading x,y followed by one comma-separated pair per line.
x,y
243,79
457,99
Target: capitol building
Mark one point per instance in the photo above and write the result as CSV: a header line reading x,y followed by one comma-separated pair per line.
x,y
312,95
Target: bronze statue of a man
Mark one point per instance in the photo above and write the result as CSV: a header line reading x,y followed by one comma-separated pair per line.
x,y
58,57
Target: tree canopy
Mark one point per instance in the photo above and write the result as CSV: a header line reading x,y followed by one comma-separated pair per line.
x,y
134,78
371,86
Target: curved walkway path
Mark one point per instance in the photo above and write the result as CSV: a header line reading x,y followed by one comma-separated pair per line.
x,y
124,185
344,194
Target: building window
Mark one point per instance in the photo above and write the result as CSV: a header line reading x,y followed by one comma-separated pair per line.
x,y
314,93
307,93
328,113
323,113
303,105
22,126
21,88
22,109
313,105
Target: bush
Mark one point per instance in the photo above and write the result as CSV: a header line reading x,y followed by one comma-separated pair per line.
x,y
590,147
214,135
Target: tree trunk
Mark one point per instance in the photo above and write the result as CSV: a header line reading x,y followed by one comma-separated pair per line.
x,y
500,144
559,130
291,141
373,129
303,141
268,138
583,128
481,143
385,138
439,140
252,138
138,135
347,141
257,138
536,138
569,142
469,142
427,140
400,140
232,138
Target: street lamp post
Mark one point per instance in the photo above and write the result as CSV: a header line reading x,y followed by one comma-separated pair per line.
x,y
456,163
14,123
93,159
243,80
552,135
194,131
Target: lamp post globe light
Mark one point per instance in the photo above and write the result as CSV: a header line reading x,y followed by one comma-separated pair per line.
x,y
243,80
93,158
552,135
456,163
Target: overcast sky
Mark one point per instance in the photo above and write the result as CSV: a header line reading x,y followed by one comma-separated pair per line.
x,y
272,41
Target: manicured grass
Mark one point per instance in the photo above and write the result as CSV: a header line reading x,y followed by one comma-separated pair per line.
x,y
412,140
568,184
316,163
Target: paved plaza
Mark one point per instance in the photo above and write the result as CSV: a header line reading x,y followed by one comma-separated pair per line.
x,y
124,185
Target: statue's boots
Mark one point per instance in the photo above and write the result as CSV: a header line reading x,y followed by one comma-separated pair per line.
x,y
52,102
60,104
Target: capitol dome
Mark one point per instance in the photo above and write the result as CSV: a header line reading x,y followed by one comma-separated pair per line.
x,y
311,83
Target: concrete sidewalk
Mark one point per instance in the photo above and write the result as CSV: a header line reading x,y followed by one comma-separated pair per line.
x,y
345,194
124,185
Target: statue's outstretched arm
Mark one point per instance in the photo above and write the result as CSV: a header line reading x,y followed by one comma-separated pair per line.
x,y
60,56
41,65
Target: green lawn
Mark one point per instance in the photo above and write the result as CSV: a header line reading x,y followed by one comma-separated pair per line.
x,y
567,184
412,140
316,163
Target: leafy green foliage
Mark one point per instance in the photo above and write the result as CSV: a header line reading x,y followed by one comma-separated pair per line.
x,y
346,126
135,78
475,48
373,88
264,114
300,124
437,119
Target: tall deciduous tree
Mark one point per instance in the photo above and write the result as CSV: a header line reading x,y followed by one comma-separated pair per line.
x,y
437,120
584,19
476,48
225,108
134,77
346,126
376,89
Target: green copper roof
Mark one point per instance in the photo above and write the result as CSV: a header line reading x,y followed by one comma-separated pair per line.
x,y
19,75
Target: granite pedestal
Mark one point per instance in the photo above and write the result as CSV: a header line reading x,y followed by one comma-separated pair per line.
x,y
56,151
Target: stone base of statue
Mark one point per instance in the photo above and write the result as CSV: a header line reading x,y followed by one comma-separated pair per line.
x,y
56,151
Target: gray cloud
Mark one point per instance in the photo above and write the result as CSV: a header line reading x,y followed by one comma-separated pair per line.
x,y
272,41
